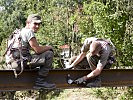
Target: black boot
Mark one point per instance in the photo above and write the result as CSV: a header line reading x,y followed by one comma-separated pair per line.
x,y
42,84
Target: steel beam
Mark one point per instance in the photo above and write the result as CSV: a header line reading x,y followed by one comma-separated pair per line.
x,y
110,78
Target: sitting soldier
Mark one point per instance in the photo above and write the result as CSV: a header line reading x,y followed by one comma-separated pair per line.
x,y
18,53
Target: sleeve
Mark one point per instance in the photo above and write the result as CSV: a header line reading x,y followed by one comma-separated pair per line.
x,y
30,35
86,45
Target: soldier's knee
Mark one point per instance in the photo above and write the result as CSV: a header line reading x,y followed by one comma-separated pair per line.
x,y
49,54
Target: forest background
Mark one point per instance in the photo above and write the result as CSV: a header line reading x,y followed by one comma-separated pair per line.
x,y
70,22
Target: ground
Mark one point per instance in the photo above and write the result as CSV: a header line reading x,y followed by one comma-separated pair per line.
x,y
77,94
111,93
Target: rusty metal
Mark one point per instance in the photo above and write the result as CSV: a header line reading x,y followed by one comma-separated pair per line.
x,y
110,78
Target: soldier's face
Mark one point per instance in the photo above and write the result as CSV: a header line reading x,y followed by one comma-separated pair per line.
x,y
34,26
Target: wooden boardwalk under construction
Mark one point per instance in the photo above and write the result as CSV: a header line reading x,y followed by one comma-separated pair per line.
x,y
109,78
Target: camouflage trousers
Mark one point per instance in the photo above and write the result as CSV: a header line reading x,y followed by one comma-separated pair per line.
x,y
43,61
89,62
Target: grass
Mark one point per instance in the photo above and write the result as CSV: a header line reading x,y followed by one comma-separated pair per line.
x,y
112,93
76,94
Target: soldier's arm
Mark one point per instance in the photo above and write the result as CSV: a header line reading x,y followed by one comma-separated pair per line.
x,y
95,72
36,47
78,59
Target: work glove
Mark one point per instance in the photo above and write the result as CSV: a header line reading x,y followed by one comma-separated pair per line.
x,y
69,67
81,80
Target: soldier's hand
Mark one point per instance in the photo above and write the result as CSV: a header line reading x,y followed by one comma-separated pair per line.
x,y
81,80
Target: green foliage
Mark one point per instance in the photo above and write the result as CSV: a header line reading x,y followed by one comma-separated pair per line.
x,y
121,93
111,24
128,95
71,21
109,93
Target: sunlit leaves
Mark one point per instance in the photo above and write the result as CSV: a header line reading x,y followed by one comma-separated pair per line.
x,y
71,21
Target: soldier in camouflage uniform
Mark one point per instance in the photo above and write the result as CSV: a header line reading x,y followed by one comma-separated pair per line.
x,y
96,54
42,57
